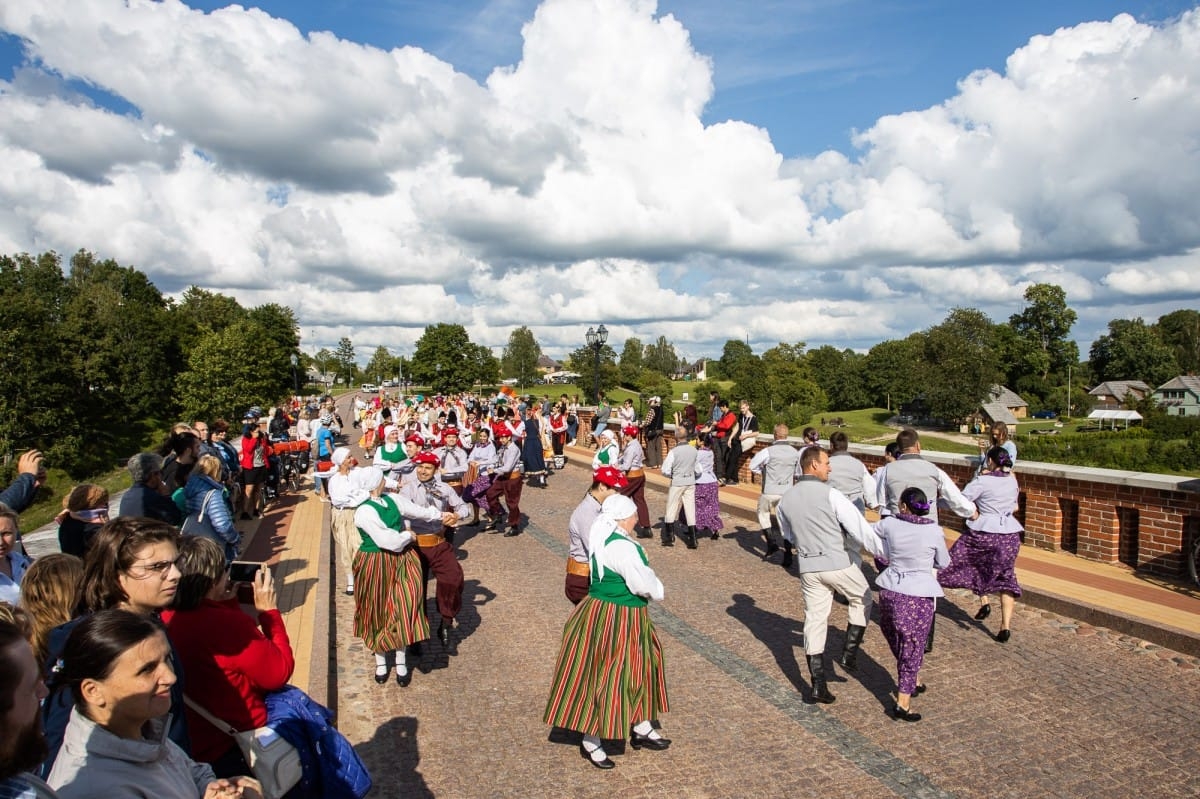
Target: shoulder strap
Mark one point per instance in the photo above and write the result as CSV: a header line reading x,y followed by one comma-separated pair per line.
x,y
210,718
204,505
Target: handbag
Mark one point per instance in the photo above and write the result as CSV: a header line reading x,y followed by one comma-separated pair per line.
x,y
273,761
198,524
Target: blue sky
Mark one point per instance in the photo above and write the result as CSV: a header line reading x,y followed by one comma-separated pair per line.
x,y
561,163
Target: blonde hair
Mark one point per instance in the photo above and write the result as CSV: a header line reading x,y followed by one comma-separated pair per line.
x,y
209,465
50,592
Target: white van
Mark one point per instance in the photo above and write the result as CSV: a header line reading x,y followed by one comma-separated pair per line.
x,y
369,388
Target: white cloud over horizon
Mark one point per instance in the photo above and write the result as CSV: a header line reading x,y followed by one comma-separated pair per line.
x,y
377,191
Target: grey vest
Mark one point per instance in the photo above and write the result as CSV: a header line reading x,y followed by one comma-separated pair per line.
x,y
845,474
779,472
683,466
815,530
908,471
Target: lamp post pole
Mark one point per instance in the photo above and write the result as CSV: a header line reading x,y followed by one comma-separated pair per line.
x,y
596,339
296,372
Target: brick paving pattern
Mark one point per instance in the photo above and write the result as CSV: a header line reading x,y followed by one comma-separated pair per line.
x,y
1063,709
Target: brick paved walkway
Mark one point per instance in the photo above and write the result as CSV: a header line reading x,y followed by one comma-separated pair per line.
x,y
1063,709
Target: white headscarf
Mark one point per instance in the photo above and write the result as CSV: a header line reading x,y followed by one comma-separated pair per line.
x,y
391,446
367,478
614,509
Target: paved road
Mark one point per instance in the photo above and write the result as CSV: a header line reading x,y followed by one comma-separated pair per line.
x,y
1062,710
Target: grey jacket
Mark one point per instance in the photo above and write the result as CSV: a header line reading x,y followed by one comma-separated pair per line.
x,y
95,762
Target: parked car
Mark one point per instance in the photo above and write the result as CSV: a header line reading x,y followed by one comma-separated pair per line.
x,y
1047,414
369,388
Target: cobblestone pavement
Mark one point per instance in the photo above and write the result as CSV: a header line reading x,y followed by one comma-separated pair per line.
x,y
1063,709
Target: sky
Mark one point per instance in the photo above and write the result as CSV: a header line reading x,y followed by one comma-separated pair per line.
x,y
823,171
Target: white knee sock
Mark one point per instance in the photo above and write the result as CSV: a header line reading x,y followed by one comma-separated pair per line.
x,y
646,730
401,662
381,663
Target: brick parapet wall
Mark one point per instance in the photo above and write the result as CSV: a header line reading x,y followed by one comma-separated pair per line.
x,y
1140,519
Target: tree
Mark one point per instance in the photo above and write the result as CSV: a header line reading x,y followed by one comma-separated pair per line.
x,y
1132,350
839,374
893,371
961,352
382,366
660,356
789,394
520,358
344,360
484,367
736,356
583,362
277,340
200,311
444,359
220,380
632,361
1180,330
326,362
1045,325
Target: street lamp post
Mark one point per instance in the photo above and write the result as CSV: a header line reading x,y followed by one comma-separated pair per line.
x,y
596,339
296,372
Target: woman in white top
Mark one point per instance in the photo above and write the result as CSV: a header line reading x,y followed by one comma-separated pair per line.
x,y
908,546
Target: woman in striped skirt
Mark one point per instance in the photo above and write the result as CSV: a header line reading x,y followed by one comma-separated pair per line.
x,y
907,547
389,592
609,678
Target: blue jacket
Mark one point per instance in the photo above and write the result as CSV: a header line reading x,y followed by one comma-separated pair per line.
x,y
19,495
216,510
331,768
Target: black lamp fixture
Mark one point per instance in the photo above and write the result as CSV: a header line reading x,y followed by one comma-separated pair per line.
x,y
596,339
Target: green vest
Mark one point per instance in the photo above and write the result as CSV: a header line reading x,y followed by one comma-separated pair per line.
x,y
389,514
611,587
399,456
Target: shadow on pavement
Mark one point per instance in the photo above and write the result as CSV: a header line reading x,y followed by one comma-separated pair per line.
x,y
782,635
395,744
434,656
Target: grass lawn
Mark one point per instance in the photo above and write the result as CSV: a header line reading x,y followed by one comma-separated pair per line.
x,y
58,484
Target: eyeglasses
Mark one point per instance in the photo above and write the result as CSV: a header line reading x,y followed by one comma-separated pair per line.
x,y
160,568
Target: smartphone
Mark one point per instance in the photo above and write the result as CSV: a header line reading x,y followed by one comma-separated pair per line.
x,y
243,571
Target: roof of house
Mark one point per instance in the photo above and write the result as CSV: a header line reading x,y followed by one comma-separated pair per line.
x,y
546,362
1117,389
999,412
1007,398
1188,382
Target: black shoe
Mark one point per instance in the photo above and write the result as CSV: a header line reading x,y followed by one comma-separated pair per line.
x,y
1003,636
983,612
403,679
382,678
689,538
512,531
921,688
644,532
604,764
668,534
772,547
714,535
443,633
645,741
820,691
900,714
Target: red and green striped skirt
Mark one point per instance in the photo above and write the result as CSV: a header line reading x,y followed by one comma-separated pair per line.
x,y
609,673
389,600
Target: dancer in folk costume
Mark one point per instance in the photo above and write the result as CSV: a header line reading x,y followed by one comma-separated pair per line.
x,y
606,481
452,460
609,680
391,453
984,557
631,463
389,607
607,452
708,499
478,478
907,547
506,482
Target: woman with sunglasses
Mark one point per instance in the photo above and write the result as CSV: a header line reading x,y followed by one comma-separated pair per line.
x,y
131,566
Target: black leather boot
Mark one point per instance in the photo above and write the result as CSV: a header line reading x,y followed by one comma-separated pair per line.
x,y
690,537
820,691
772,547
668,534
854,636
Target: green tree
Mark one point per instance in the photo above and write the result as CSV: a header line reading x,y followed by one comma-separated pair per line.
x,y
736,356
1180,330
382,366
631,363
277,341
484,367
839,373
444,360
220,380
893,371
1045,325
791,394
326,363
520,358
961,352
345,360
200,311
583,362
1132,350
660,356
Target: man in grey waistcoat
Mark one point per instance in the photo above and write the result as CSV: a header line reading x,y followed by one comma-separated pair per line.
x,y
779,465
910,469
815,519
680,466
848,475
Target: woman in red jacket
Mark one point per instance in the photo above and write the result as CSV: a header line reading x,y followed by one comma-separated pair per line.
x,y
231,662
